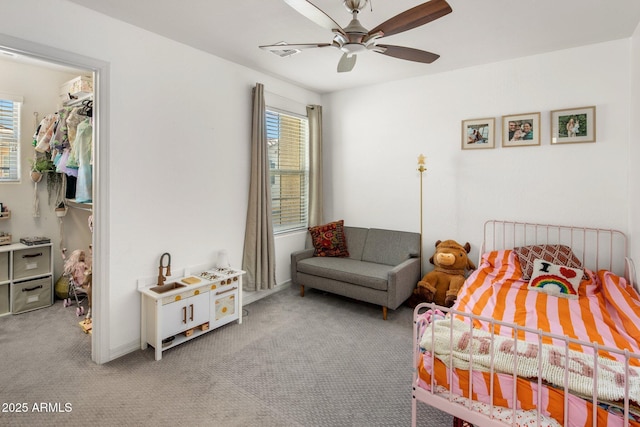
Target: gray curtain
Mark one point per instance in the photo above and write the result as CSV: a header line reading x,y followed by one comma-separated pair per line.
x,y
258,259
314,114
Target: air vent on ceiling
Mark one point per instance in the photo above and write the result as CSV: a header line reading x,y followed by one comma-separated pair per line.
x,y
285,52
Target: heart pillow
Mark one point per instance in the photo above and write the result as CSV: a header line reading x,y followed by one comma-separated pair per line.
x,y
556,280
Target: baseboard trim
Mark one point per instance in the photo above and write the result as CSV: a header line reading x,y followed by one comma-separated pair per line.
x,y
252,296
124,350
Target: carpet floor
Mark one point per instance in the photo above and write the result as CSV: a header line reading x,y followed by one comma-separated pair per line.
x,y
321,360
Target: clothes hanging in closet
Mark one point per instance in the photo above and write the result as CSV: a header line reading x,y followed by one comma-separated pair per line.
x,y
60,140
62,161
82,151
66,136
44,132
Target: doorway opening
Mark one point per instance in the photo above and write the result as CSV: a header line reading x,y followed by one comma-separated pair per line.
x,y
14,49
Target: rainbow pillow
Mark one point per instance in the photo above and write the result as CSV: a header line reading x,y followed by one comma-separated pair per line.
x,y
556,280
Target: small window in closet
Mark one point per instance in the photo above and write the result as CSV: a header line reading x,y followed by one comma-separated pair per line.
x,y
9,138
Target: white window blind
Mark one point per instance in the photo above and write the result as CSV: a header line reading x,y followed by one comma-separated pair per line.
x,y
9,138
287,140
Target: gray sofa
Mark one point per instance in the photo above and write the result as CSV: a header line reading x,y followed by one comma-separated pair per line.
x,y
383,267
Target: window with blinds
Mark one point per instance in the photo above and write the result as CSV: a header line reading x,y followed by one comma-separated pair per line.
x,y
287,140
9,139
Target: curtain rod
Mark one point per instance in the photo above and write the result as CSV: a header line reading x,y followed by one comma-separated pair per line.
x,y
286,99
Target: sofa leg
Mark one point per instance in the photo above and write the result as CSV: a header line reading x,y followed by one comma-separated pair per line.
x,y
301,290
384,313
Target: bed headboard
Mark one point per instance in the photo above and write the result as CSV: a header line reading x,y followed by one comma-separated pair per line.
x,y
597,248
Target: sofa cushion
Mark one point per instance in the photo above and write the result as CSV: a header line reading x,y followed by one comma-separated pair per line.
x,y
390,247
356,238
328,240
347,270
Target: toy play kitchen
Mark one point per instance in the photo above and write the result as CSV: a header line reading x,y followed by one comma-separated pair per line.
x,y
198,300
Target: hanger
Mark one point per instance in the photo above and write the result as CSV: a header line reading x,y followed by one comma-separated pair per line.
x,y
87,108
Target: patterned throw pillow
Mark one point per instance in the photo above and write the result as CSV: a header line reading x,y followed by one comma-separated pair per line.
x,y
328,239
556,280
555,254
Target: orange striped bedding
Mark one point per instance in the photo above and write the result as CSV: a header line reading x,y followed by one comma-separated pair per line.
x,y
607,312
580,411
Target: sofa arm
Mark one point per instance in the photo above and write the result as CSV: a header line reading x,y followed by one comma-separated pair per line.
x,y
402,280
296,257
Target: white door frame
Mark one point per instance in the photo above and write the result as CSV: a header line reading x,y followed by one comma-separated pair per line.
x,y
100,352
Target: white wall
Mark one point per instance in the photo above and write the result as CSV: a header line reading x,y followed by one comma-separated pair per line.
x,y
39,88
179,132
374,135
634,148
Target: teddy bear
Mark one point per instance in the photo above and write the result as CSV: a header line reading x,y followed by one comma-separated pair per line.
x,y
441,285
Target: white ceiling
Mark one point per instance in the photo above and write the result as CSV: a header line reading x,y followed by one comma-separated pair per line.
x,y
477,32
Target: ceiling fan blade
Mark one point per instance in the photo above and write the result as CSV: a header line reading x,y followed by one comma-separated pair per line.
x,y
408,53
313,13
281,46
414,17
347,62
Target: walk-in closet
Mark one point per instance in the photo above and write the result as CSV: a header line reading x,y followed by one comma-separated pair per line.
x,y
47,146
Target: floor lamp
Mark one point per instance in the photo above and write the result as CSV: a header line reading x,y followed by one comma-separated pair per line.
x,y
421,169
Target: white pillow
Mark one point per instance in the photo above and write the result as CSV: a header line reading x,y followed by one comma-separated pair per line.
x,y
556,280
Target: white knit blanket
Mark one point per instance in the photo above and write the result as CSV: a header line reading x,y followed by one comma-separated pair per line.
x,y
464,349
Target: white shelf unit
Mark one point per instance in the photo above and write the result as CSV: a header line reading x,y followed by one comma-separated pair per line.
x,y
26,277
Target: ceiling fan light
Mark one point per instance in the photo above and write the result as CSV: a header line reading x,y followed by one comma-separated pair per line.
x,y
355,39
353,48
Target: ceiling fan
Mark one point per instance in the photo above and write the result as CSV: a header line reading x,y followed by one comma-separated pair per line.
x,y
354,38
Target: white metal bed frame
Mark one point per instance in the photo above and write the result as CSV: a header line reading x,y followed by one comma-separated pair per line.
x,y
597,248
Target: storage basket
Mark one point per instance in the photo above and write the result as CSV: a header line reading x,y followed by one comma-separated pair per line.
x,y
31,295
5,239
34,261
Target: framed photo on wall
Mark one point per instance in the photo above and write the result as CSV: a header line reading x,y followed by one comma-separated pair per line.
x,y
521,130
478,134
573,125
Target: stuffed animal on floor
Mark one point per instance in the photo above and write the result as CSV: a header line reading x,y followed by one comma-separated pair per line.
x,y
443,283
